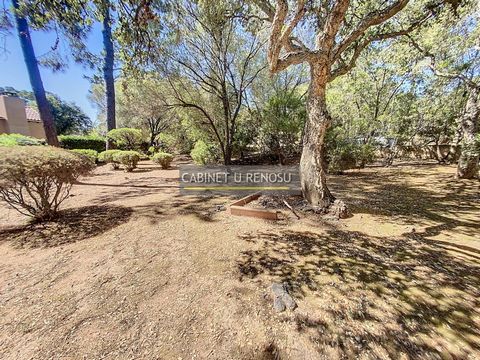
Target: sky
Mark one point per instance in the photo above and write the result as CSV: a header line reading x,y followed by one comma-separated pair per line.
x,y
69,84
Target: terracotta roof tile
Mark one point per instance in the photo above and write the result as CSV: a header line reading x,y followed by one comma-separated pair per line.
x,y
32,114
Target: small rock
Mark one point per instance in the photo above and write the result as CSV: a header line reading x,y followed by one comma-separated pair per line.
x,y
278,304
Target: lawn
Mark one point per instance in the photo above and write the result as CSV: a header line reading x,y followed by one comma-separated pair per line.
x,y
132,269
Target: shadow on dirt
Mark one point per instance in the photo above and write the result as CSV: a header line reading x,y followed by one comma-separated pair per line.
x,y
71,226
387,296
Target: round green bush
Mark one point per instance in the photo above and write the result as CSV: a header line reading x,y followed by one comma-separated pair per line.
x,y
107,157
92,155
128,159
163,159
35,180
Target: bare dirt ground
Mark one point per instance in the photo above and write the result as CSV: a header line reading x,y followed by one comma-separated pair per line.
x,y
133,270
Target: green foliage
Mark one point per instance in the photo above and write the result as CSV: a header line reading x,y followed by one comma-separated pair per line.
x,y
163,159
203,154
281,125
126,138
167,142
36,180
107,157
344,154
128,159
91,142
92,155
18,139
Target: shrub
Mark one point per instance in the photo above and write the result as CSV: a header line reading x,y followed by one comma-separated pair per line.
x,y
92,142
128,159
36,180
166,142
346,156
18,139
365,154
91,155
202,153
126,138
164,159
107,157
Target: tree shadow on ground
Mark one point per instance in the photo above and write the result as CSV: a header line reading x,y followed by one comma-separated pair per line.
x,y
203,208
444,202
373,296
72,225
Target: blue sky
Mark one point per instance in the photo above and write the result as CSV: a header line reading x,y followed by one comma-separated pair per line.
x,y
69,84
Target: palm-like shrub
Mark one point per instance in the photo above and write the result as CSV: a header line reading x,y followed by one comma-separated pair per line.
x,y
128,159
35,180
163,159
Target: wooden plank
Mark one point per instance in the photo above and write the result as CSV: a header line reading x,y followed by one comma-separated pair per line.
x,y
245,200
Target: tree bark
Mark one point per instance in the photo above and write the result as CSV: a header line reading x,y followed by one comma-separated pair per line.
x,y
108,66
31,62
468,163
312,165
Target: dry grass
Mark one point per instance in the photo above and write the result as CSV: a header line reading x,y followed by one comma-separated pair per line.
x,y
134,270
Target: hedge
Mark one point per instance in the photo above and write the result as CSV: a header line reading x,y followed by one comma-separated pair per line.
x,y
82,142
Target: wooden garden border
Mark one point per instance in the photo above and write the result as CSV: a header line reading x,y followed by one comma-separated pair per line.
x,y
238,208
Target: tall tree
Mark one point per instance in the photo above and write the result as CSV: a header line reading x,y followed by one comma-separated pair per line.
x,y
334,34
142,103
452,48
211,66
31,62
104,7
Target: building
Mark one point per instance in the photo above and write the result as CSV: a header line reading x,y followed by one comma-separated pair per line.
x,y
18,118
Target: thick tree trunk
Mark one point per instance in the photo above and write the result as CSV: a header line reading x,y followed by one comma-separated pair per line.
x,y
312,166
108,66
468,163
43,105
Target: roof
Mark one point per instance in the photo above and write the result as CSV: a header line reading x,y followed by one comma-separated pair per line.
x,y
32,114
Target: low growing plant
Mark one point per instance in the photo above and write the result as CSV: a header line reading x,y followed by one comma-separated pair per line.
x,y
163,159
128,159
91,155
36,180
107,157
18,139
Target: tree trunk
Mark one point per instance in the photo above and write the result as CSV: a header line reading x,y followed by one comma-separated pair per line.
x,y
227,155
43,105
468,163
312,166
108,66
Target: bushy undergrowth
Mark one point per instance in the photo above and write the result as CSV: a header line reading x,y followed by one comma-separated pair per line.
x,y
344,156
128,159
36,180
163,159
107,157
92,155
202,154
92,142
18,139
